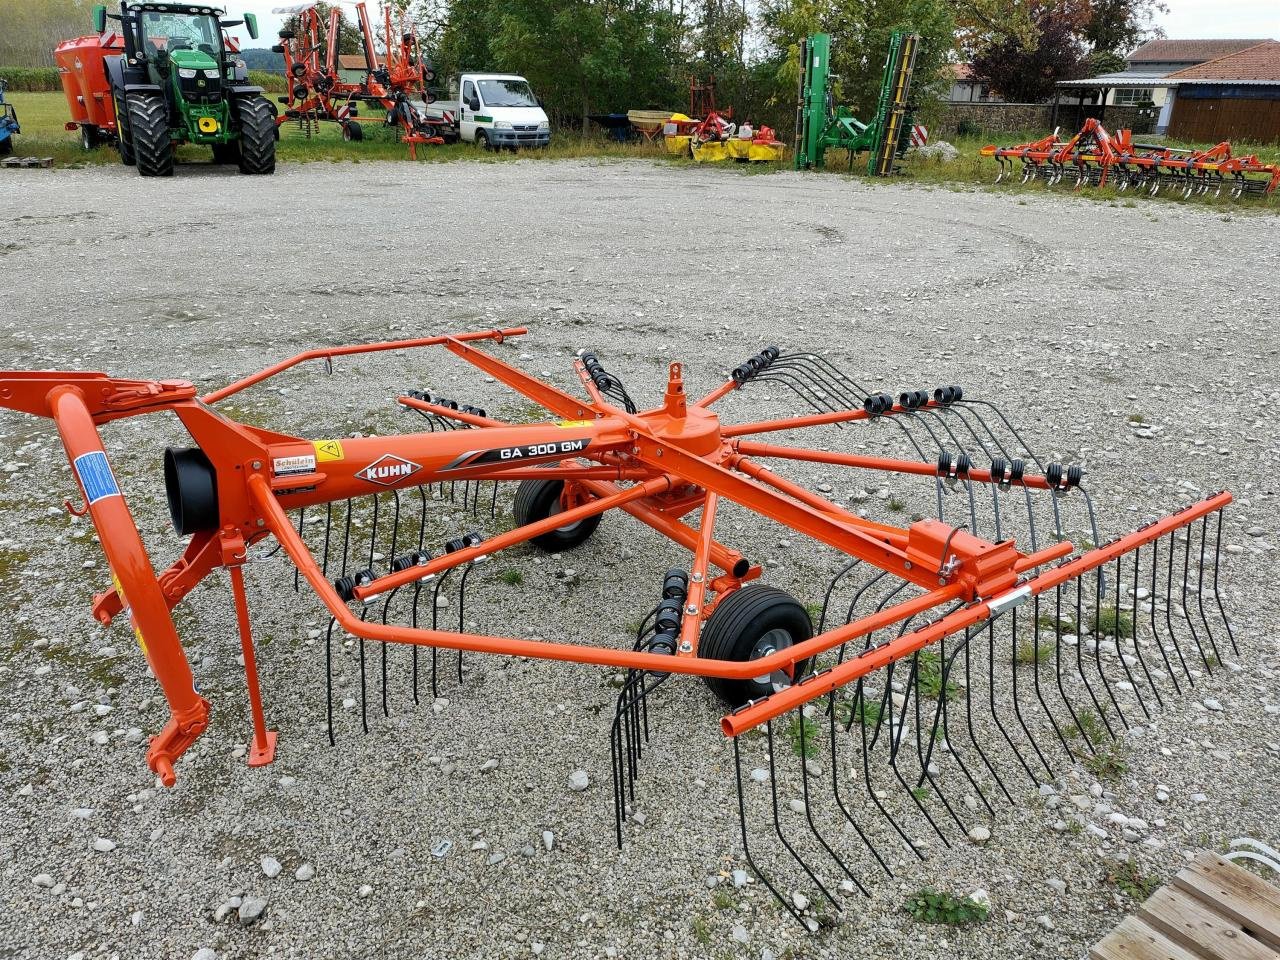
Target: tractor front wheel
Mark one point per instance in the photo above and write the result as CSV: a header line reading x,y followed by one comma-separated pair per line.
x,y
257,136
538,499
149,134
753,622
123,143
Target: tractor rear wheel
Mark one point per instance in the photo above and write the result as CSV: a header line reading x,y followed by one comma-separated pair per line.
x,y
149,134
123,142
6,146
753,622
257,136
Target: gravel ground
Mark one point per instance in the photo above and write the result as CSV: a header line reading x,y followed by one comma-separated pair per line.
x,y
1074,315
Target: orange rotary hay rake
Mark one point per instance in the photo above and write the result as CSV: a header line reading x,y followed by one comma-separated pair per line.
x,y
951,658
1095,157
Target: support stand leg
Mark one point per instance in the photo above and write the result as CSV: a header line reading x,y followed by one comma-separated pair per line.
x,y
263,750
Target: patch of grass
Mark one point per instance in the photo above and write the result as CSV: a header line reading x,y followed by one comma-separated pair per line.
x,y
701,930
896,505
1110,622
929,676
1137,418
1030,652
1131,881
802,734
920,793
930,906
1049,622
814,610
1106,764
1090,725
513,578
867,712
722,899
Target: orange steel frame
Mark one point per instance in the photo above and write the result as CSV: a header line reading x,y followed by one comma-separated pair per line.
x,y
674,459
1094,145
405,72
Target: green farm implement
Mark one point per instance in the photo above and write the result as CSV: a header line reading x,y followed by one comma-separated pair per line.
x,y
821,125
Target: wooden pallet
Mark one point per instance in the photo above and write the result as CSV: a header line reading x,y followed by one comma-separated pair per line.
x,y
27,162
1212,910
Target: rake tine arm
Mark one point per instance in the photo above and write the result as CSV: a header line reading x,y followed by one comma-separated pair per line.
x,y
328,353
753,449
543,394
512,537
130,565
444,412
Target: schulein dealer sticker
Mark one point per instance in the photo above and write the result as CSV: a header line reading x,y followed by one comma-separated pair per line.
x,y
388,470
290,466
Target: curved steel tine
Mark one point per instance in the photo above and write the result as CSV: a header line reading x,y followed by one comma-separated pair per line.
x,y
1080,667
328,679
965,648
1120,637
1136,620
1035,664
777,821
989,629
942,714
1170,546
1013,691
1217,596
1057,663
833,710
746,846
860,713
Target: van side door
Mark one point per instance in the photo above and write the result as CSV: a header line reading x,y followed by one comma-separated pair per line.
x,y
469,106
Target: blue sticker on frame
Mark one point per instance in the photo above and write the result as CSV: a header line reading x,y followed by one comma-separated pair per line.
x,y
96,477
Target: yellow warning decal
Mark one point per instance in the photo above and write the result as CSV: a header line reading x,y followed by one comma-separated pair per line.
x,y
328,450
571,424
115,582
141,643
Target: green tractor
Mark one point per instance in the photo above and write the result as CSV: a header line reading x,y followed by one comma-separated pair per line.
x,y
178,82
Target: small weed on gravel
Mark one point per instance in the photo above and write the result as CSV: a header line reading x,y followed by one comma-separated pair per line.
x,y
513,578
802,733
1131,881
930,906
929,673
1106,764
1110,623
867,712
1031,652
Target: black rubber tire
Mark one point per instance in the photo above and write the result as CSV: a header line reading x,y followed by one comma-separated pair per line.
x,y
740,621
352,132
257,136
226,153
6,146
149,134
482,140
538,499
89,137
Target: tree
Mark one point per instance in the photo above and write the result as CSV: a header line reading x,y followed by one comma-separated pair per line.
x,y
860,32
29,31
1023,73
349,39
1118,26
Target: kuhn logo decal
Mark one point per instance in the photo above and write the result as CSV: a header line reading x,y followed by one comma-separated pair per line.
x,y
388,470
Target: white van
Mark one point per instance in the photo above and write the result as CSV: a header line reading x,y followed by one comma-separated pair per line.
x,y
494,110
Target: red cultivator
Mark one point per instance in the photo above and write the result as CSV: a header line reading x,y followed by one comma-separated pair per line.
x,y
317,92
951,657
1095,157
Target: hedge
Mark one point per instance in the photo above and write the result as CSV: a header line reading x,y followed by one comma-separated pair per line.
x,y
31,79
45,79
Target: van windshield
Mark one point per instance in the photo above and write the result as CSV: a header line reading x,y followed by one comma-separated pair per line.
x,y
506,93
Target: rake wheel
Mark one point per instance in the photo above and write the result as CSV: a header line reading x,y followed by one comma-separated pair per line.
x,y
751,623
538,499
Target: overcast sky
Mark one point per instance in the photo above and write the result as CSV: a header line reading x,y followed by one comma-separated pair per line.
x,y
1186,19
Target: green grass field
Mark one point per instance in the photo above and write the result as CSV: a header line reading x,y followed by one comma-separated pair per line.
x,y
42,116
